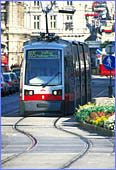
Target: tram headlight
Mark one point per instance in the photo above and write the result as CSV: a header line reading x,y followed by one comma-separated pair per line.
x,y
57,92
29,92
54,92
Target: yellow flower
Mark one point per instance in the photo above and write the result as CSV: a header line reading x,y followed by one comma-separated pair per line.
x,y
96,122
99,119
104,119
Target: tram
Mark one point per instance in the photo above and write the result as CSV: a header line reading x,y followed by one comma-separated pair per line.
x,y
55,76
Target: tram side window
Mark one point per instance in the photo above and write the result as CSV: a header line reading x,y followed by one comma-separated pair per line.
x,y
87,57
69,60
81,57
66,70
75,59
74,55
70,64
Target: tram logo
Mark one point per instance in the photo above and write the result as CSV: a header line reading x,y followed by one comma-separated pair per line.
x,y
42,90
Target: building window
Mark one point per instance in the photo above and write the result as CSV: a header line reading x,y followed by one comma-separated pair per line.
x,y
36,22
69,26
3,16
69,2
69,23
53,21
36,3
69,17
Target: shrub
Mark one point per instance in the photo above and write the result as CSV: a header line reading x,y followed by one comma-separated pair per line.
x,y
110,123
99,121
83,112
96,115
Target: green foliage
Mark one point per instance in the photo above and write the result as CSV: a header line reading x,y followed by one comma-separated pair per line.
x,y
101,123
109,108
83,113
110,123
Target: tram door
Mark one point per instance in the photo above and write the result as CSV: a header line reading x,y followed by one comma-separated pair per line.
x,y
83,75
88,71
76,65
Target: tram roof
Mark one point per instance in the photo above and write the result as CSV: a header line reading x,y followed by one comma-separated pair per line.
x,y
47,44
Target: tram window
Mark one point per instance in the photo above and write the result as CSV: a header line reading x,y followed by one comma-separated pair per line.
x,y
70,65
40,70
75,59
87,59
74,55
66,75
81,57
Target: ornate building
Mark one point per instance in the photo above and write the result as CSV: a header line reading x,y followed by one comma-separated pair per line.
x,y
66,19
71,20
13,33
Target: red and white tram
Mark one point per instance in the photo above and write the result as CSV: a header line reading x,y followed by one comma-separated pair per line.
x,y
55,76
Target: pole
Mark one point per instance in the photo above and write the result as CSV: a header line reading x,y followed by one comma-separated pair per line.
x,y
110,86
46,22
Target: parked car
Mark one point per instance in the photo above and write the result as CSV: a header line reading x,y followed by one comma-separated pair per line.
x,y
4,87
4,68
12,81
17,71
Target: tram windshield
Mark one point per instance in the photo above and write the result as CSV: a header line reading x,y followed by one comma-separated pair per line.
x,y
43,67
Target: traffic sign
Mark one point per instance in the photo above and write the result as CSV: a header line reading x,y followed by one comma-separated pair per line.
x,y
109,62
99,51
98,55
110,49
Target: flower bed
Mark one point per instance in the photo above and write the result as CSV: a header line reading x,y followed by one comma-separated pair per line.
x,y
102,116
110,123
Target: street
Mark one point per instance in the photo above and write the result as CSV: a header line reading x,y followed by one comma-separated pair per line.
x,y
10,104
53,142
55,56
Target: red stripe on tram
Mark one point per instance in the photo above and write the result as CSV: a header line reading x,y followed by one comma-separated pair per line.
x,y
42,97
69,97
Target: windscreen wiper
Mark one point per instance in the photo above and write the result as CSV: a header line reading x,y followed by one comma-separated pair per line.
x,y
45,84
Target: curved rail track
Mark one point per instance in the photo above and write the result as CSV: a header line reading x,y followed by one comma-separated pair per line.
x,y
74,158
78,156
34,142
31,137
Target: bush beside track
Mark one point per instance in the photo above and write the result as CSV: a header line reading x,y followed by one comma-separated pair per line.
x,y
99,118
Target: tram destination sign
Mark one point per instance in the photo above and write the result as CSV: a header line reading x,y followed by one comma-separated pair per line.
x,y
40,53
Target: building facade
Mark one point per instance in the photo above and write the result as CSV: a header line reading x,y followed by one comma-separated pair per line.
x,y
70,26
13,33
71,20
4,50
